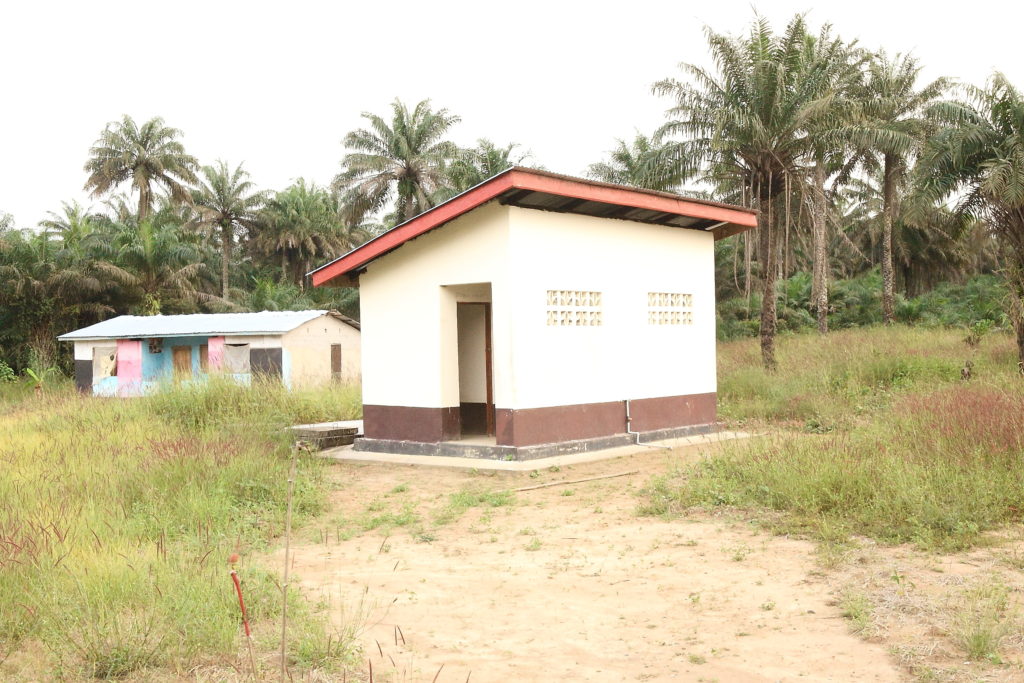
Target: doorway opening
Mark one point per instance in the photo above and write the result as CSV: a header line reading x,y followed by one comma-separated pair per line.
x,y
476,380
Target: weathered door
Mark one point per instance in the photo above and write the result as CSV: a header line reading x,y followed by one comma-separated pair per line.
x,y
336,362
182,358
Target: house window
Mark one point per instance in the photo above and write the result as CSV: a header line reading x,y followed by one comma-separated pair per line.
x,y
236,359
669,308
573,308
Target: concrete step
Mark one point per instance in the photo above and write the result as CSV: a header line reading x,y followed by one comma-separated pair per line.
x,y
328,434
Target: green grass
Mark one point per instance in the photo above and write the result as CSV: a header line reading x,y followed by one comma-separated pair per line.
x,y
117,518
981,620
857,608
871,432
461,501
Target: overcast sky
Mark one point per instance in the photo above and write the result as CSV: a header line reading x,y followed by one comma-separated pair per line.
x,y
277,85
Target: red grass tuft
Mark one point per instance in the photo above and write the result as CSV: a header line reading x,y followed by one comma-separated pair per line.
x,y
965,422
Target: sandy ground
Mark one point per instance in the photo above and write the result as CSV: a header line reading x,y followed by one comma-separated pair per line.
x,y
569,583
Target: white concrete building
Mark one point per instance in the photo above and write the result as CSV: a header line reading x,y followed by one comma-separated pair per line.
x,y
552,314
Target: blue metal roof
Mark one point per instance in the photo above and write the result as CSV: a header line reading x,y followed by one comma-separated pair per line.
x,y
198,324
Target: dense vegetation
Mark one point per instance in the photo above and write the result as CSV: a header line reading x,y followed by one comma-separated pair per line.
x,y
873,433
118,518
873,187
173,236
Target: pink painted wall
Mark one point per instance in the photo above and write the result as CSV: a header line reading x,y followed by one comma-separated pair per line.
x,y
129,367
215,353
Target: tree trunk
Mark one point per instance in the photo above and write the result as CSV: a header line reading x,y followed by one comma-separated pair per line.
x,y
746,267
888,209
1019,329
407,208
1015,284
769,247
144,202
819,284
227,241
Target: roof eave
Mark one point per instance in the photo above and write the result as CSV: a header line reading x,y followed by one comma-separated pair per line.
x,y
732,219
161,335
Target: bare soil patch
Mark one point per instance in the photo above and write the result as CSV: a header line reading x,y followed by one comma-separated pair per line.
x,y
568,583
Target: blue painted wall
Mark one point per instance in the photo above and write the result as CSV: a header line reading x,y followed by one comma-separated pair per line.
x,y
158,368
105,387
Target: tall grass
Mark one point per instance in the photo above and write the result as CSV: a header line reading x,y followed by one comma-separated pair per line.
x,y
836,379
117,518
912,453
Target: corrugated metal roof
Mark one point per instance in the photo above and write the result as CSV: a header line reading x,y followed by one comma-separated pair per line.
x,y
197,324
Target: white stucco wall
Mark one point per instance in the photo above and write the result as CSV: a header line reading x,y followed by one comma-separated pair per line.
x,y
410,334
408,310
624,357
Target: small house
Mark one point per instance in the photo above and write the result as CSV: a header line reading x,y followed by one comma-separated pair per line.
x,y
130,355
537,314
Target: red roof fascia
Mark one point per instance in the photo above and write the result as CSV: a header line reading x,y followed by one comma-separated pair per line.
x,y
624,196
524,180
413,228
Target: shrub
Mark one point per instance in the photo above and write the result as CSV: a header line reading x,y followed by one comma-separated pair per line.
x,y
937,470
857,303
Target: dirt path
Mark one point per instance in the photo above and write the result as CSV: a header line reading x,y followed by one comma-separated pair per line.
x,y
568,583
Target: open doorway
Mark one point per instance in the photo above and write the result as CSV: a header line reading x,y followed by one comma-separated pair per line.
x,y
476,382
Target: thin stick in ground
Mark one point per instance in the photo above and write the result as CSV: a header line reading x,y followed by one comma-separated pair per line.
x,y
576,481
287,550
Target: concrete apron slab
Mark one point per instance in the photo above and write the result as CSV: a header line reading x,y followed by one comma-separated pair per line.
x,y
346,454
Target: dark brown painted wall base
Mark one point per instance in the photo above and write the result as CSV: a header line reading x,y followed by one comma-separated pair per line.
x,y
650,414
405,423
535,426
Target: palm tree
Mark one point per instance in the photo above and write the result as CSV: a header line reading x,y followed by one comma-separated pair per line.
x,y
159,265
75,227
148,155
640,163
892,129
300,226
44,288
746,124
226,204
930,243
980,158
474,165
840,66
404,160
